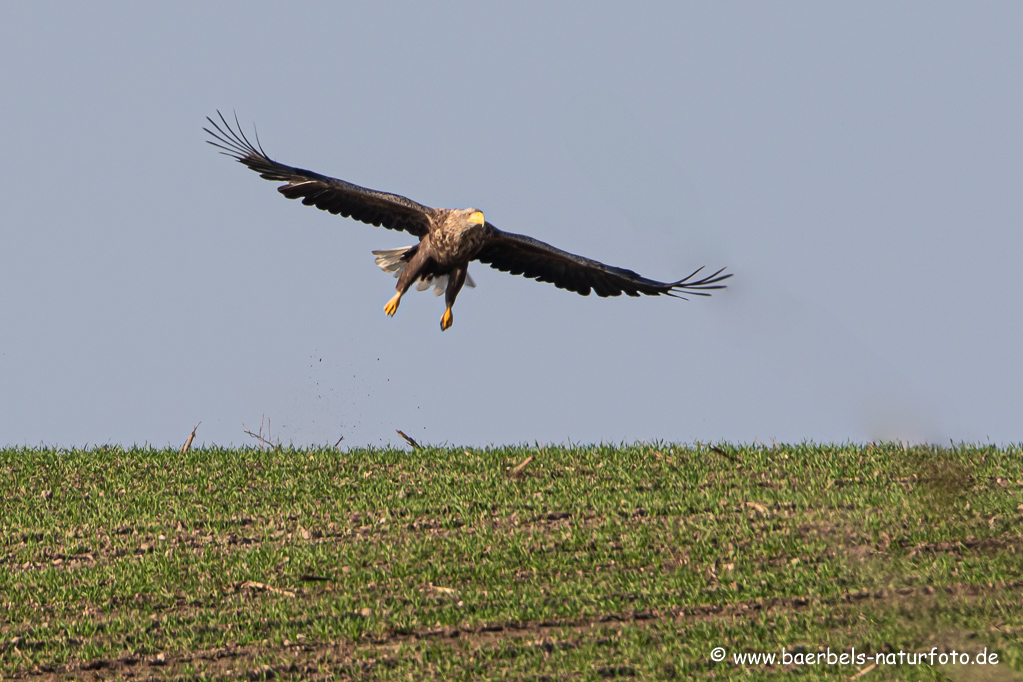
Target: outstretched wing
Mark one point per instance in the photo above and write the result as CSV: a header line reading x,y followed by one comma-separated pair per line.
x,y
392,211
522,255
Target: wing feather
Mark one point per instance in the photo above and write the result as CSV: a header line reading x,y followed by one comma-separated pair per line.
x,y
522,255
339,197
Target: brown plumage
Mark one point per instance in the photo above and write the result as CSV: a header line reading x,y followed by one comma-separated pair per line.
x,y
448,238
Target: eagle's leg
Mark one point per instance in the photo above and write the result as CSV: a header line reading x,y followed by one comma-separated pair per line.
x,y
391,307
456,278
409,274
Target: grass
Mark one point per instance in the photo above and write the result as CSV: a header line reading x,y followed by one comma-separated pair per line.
x,y
591,563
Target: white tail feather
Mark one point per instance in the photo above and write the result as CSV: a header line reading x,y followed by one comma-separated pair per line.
x,y
390,260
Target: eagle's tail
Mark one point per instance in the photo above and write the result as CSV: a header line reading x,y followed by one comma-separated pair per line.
x,y
395,260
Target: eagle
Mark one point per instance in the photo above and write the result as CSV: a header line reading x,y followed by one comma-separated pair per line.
x,y
449,238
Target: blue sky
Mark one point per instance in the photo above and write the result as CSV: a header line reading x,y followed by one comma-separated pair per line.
x,y
859,168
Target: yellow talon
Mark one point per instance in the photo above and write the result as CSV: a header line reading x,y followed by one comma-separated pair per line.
x,y
447,319
391,307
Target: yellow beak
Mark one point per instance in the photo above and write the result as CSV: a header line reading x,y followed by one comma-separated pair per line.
x,y
477,218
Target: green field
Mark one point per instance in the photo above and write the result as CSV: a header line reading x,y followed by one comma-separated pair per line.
x,y
591,562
